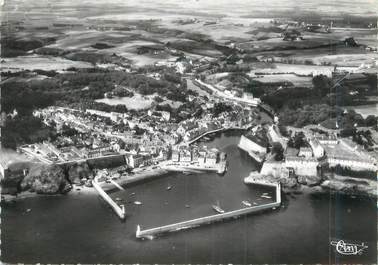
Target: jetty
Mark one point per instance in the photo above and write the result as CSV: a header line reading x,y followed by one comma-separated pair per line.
x,y
119,210
149,233
116,184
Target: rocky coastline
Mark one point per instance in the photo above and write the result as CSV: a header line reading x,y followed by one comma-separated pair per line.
x,y
320,185
72,180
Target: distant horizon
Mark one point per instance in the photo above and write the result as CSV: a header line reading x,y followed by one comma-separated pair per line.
x,y
240,8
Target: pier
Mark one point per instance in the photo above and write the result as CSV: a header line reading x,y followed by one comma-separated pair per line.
x,y
149,233
119,210
116,184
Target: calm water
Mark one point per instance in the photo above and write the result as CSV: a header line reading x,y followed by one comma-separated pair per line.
x,y
82,229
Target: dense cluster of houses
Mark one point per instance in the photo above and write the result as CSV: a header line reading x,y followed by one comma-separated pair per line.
x,y
194,154
103,133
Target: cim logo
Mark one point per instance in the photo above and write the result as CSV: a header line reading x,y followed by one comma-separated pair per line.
x,y
345,248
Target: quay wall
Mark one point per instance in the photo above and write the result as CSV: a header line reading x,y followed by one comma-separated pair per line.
x,y
248,145
204,134
137,177
215,131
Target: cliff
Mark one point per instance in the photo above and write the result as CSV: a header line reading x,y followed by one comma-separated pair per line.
x,y
340,184
77,172
45,179
351,186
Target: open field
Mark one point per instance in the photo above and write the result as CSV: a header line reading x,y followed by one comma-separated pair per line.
x,y
137,102
290,78
365,110
305,70
40,62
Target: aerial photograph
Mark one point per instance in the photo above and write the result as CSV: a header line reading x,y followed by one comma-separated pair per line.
x,y
189,131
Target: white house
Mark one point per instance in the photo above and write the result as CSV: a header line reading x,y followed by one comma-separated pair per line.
x,y
317,149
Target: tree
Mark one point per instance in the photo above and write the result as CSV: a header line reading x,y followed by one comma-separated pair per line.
x,y
371,121
255,88
299,140
349,131
277,150
322,84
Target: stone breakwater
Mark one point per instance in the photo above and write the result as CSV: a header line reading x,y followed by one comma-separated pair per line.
x,y
327,183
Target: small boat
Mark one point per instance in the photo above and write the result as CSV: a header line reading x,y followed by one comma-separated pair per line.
x,y
187,173
187,206
217,208
266,196
246,203
137,202
255,203
169,187
265,193
132,194
28,210
118,199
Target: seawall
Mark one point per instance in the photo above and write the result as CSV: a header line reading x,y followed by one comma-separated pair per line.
x,y
248,145
148,233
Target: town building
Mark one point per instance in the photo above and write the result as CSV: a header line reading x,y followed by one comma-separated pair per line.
x,y
316,147
305,152
302,166
175,156
276,136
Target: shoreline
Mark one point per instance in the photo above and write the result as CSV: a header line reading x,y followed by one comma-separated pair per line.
x,y
139,176
77,190
28,194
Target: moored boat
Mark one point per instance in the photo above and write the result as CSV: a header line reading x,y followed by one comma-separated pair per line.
x,y
246,203
217,208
